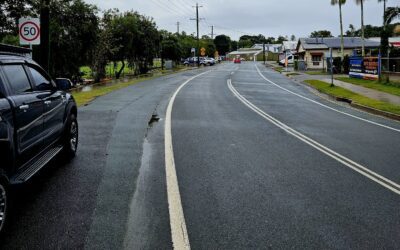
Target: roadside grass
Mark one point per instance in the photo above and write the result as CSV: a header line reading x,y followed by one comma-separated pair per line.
x,y
279,69
359,99
391,88
293,74
83,98
316,73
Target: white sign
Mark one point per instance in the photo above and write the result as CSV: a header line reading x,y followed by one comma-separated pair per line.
x,y
193,50
29,31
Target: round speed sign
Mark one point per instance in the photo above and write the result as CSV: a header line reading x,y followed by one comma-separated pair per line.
x,y
29,31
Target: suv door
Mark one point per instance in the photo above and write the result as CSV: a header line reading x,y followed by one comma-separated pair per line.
x,y
54,104
28,113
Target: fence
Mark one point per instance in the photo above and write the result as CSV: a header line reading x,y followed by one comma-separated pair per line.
x,y
390,65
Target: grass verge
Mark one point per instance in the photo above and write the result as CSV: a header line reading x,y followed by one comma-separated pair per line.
x,y
83,98
293,74
316,73
390,88
279,69
359,99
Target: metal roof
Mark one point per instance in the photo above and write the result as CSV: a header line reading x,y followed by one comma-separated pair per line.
x,y
335,42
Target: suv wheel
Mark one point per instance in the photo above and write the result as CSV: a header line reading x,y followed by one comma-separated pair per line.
x,y
3,205
71,137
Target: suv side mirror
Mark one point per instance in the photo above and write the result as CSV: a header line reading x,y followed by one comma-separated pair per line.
x,y
63,84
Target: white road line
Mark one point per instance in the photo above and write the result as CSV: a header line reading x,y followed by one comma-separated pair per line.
x,y
179,234
326,106
392,186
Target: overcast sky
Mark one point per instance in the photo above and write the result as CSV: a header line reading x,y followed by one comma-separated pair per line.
x,y
239,17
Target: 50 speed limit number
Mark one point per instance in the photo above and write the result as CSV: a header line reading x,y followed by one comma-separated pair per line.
x,y
29,31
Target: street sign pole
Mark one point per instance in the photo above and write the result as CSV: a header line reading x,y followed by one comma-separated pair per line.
x,y
331,62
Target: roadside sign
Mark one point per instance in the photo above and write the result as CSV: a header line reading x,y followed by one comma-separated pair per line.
x,y
192,50
29,31
202,51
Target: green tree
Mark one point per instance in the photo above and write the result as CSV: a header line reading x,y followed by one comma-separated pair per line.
x,y
340,3
74,28
351,32
281,39
321,33
234,45
171,48
223,44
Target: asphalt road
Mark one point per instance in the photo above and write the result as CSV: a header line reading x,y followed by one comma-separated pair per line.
x,y
261,163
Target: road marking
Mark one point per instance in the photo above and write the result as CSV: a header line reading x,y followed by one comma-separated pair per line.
x,y
392,186
179,234
326,106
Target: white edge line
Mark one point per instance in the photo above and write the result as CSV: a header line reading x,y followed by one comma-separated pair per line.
x,y
179,234
326,106
392,186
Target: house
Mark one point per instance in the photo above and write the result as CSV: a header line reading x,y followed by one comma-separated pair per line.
x,y
256,51
315,51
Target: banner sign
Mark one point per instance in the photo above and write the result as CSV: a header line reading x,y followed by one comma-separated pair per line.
x,y
364,68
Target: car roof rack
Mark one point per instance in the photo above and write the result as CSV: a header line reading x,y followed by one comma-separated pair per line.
x,y
5,48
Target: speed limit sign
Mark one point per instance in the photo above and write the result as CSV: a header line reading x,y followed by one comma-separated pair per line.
x,y
29,31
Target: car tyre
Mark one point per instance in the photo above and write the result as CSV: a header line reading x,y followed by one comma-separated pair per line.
x,y
4,205
71,137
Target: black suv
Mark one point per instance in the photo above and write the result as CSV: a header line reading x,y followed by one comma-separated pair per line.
x,y
37,121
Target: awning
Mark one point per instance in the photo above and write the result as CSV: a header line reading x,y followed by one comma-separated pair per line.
x,y
395,44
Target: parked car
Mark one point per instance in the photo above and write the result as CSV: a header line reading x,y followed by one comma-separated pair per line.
x,y
38,120
290,60
237,60
208,61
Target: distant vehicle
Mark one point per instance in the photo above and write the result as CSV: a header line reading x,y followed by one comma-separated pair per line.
x,y
208,61
38,120
290,60
242,59
192,61
237,60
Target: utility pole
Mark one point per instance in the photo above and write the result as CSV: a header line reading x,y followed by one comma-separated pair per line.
x,y
45,34
198,36
177,26
264,52
212,31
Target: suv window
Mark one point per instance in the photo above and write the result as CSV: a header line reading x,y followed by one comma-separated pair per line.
x,y
17,78
39,80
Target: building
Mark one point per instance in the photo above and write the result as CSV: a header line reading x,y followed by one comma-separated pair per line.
x,y
256,52
315,51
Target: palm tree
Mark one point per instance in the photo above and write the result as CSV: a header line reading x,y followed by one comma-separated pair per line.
x,y
384,10
361,2
340,3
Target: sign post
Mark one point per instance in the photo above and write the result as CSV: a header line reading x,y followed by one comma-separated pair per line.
x,y
29,31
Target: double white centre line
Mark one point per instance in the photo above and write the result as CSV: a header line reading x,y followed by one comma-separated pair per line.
x,y
392,186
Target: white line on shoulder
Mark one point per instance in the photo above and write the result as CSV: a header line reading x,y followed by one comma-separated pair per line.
x,y
179,234
326,106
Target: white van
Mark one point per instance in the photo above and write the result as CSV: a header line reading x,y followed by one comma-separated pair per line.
x,y
290,59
